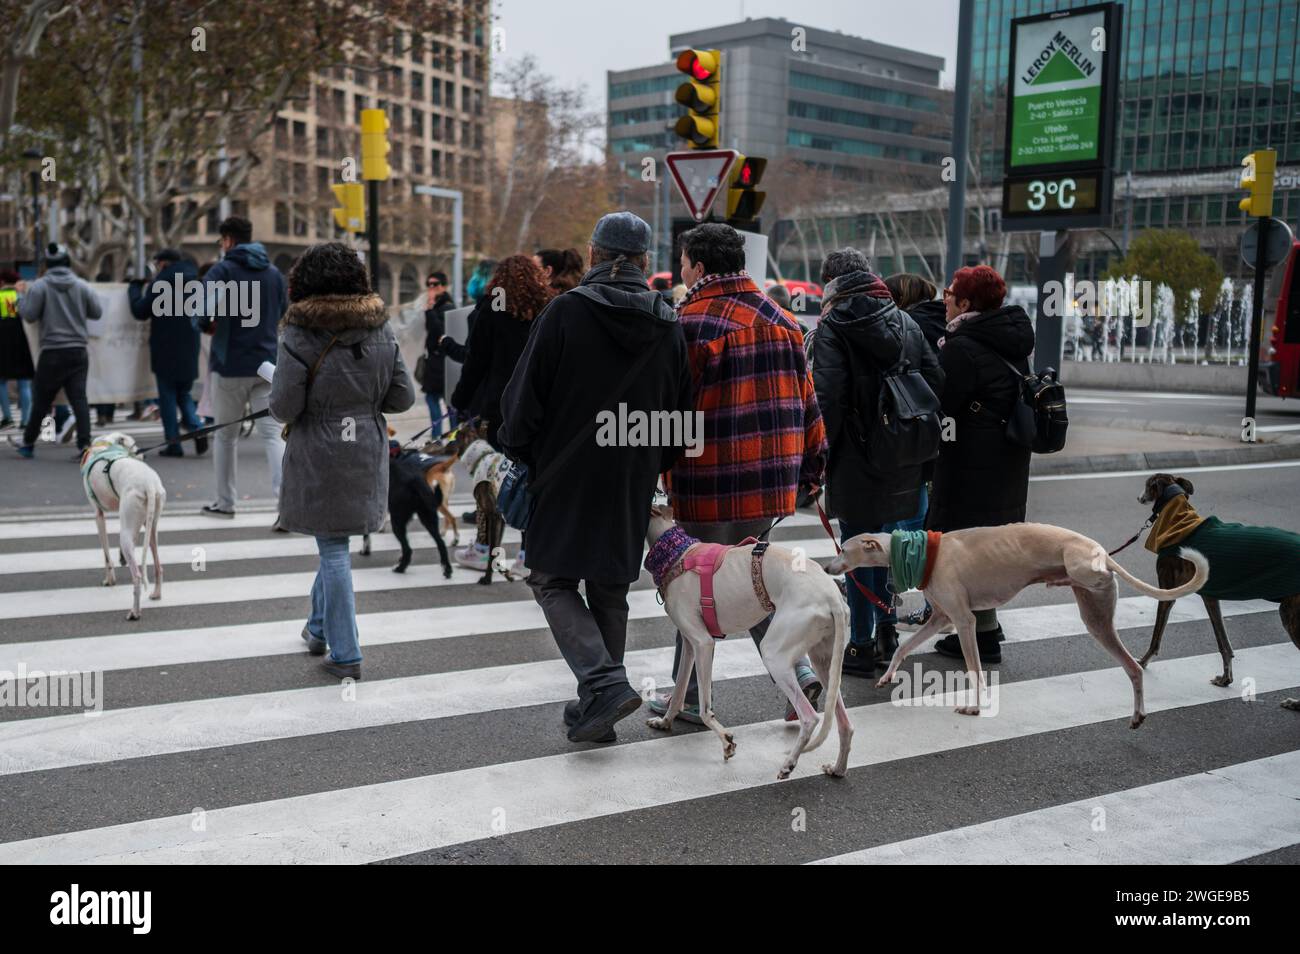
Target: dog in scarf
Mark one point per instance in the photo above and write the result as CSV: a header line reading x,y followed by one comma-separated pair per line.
x,y
983,567
116,480
487,467
709,590
1245,563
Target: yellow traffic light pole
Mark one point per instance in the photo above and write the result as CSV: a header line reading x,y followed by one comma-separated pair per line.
x,y
1257,179
374,169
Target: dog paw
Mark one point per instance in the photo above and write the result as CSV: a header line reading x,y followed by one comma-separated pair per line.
x,y
1143,661
728,746
484,581
884,680
784,773
109,581
834,771
1137,720
968,710
1221,681
132,615
155,596
446,572
660,723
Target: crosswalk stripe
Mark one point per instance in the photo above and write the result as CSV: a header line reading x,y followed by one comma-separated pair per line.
x,y
262,639
417,814
1215,818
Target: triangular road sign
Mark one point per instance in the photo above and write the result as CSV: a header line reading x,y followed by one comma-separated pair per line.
x,y
700,175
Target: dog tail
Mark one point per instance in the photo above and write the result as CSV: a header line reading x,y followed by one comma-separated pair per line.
x,y
1194,557
840,615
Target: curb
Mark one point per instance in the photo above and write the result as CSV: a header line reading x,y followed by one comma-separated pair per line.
x,y
1276,447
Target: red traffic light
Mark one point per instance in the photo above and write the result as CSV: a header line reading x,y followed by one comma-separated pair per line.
x,y
701,64
746,175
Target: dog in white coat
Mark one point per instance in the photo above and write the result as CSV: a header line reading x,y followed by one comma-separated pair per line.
x,y
117,480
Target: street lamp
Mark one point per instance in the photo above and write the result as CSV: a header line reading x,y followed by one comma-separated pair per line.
x,y
33,159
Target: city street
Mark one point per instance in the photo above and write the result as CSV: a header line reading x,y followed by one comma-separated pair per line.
x,y
221,740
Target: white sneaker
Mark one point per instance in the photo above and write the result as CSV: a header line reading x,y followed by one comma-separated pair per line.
x,y
66,432
473,557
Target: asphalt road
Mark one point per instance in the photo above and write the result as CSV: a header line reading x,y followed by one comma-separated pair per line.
x,y
1273,414
219,735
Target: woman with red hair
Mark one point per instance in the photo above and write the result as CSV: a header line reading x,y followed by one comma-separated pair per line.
x,y
981,479
516,295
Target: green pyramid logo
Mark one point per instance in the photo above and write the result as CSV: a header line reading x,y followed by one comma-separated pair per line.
x,y
1059,69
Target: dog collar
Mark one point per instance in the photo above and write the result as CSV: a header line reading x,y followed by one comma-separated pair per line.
x,y
1167,494
666,555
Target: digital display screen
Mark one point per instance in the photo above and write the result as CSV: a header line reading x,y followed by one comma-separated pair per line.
x,y
1077,194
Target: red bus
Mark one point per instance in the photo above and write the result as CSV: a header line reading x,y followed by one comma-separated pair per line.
x,y
1279,358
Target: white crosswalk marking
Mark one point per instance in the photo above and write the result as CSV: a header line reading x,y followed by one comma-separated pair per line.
x,y
180,696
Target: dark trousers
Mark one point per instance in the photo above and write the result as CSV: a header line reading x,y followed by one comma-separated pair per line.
x,y
729,533
591,635
60,368
174,396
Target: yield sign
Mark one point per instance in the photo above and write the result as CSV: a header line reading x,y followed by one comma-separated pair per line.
x,y
700,175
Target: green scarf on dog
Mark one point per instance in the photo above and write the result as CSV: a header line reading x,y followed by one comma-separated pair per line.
x,y
907,550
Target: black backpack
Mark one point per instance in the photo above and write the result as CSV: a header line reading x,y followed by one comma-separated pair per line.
x,y
1038,420
906,427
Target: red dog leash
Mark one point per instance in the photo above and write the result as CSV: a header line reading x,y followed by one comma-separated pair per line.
x,y
875,600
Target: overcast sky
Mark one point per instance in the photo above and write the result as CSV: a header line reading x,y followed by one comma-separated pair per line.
x,y
576,41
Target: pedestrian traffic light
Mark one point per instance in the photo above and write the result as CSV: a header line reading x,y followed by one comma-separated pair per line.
x,y
744,201
1257,179
374,144
350,215
702,96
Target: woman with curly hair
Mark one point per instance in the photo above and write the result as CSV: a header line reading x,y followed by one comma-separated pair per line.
x,y
515,296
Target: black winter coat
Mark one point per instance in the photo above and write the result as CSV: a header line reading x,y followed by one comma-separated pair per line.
x,y
590,518
494,345
855,343
173,339
981,479
932,318
435,326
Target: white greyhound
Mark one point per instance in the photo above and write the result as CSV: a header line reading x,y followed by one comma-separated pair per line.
x,y
809,619
983,567
116,479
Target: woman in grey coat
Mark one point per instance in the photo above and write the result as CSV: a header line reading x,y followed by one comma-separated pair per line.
x,y
338,371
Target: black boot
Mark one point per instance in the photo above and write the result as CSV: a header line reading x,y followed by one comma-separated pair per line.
x,y
860,660
988,644
886,642
573,709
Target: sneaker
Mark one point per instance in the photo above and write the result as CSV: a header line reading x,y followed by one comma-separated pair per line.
x,y
276,527
212,510
812,690
602,711
573,709
989,650
658,704
918,619
341,670
473,557
860,660
315,645
68,430
6,422
25,451
519,566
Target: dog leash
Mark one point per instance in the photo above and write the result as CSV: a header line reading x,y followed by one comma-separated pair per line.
x,y
204,431
445,414
1133,539
875,600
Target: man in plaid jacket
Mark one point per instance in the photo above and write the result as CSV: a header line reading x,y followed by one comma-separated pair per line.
x,y
764,440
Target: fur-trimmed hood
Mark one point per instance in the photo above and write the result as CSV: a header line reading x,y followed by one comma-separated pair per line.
x,y
337,313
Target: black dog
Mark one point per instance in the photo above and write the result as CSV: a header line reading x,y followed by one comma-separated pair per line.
x,y
409,494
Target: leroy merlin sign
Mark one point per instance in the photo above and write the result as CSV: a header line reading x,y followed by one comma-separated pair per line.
x,y
1060,118
1056,84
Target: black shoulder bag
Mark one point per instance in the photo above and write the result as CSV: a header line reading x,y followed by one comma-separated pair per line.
x,y
906,427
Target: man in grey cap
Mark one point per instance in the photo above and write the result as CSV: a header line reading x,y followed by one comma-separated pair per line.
x,y
610,342
62,303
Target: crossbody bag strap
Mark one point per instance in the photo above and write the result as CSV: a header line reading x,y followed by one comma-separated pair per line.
x,y
311,375
578,438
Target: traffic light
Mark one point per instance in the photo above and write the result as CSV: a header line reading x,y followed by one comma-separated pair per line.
x,y
744,201
350,215
374,144
1257,179
702,95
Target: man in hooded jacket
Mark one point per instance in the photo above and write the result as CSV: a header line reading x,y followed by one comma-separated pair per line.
x,y
245,298
591,514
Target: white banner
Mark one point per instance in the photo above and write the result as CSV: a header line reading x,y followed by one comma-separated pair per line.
x,y
118,347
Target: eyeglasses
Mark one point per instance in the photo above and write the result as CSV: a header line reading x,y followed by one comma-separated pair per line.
x,y
433,284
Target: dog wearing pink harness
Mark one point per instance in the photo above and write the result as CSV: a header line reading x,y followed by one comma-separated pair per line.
x,y
711,589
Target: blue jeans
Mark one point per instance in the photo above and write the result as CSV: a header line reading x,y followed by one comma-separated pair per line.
x,y
24,400
436,407
333,604
863,614
171,396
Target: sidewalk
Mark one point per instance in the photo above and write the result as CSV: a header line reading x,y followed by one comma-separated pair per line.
x,y
1130,443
